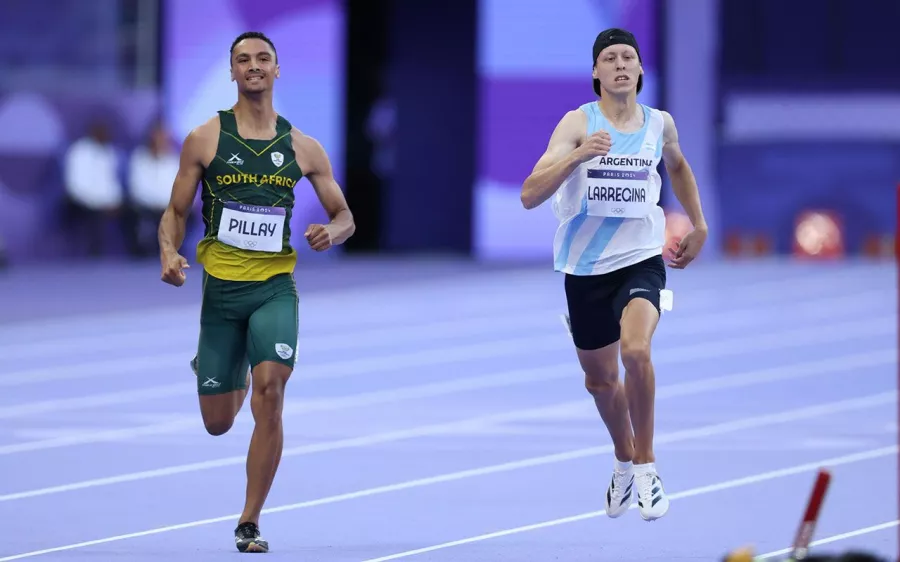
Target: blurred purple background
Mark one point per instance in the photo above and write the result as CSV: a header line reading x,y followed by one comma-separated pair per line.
x,y
444,303
790,114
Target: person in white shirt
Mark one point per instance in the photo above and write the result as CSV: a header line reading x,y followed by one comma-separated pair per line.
x,y
93,189
151,170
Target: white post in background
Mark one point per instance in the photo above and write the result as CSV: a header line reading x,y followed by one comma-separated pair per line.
x,y
691,55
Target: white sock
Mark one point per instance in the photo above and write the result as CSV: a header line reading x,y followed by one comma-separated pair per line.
x,y
623,466
646,468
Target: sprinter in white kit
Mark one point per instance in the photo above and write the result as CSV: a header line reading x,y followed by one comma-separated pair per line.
x,y
600,168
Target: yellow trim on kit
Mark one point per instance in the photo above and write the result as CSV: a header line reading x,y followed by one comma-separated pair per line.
x,y
234,264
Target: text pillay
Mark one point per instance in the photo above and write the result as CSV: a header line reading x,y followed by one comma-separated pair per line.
x,y
252,227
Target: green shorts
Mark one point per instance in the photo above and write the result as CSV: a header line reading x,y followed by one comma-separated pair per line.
x,y
243,323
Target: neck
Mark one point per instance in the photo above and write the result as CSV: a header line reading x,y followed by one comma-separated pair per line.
x,y
618,108
255,110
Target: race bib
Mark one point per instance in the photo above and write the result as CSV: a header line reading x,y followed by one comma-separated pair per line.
x,y
618,193
252,227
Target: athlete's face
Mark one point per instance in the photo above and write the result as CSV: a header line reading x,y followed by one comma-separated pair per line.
x,y
618,69
253,66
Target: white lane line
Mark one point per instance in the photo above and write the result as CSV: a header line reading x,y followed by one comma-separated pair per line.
x,y
699,491
732,381
763,291
695,433
824,332
750,316
806,310
833,538
829,333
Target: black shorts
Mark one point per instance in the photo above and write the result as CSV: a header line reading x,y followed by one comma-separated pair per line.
x,y
596,302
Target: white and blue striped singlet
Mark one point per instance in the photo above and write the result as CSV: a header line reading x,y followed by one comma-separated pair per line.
x,y
591,239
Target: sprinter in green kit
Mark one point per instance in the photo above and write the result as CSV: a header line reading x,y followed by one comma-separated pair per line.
x,y
247,161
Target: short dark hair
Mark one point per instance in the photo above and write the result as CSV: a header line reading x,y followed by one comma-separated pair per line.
x,y
252,35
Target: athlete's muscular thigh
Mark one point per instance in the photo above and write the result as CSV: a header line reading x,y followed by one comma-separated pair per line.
x,y
221,361
221,375
271,348
638,301
273,326
639,321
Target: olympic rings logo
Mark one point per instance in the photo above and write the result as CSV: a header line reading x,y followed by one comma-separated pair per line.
x,y
618,211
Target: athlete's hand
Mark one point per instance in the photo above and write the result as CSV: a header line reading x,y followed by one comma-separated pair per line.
x,y
173,266
318,236
688,248
595,145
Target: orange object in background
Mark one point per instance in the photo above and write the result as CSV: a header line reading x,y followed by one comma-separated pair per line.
x,y
733,244
879,246
741,555
747,244
818,234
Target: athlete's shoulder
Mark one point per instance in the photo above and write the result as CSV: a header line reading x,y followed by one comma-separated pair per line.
x,y
658,113
304,143
206,131
670,133
587,107
309,152
575,118
654,111
202,141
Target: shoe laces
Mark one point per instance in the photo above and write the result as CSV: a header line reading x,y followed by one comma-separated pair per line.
x,y
620,482
645,484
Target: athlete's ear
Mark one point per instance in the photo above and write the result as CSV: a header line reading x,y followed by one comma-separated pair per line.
x,y
277,71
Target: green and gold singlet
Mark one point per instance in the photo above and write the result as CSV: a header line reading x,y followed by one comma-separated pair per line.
x,y
248,200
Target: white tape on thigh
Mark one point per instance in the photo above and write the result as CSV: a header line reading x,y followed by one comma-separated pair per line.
x,y
666,298
567,323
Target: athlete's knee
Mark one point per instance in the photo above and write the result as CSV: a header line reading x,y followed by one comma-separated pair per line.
x,y
601,370
269,382
636,354
269,391
219,411
217,427
601,383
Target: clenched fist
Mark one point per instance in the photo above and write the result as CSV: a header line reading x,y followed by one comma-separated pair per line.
x,y
173,266
319,237
595,145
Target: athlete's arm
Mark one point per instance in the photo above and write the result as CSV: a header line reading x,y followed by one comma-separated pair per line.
x,y
566,150
316,166
184,189
174,219
684,184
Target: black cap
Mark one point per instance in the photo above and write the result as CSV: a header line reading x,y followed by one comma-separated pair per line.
x,y
615,36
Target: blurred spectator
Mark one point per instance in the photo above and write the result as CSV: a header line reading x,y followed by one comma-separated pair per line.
x,y
151,171
93,189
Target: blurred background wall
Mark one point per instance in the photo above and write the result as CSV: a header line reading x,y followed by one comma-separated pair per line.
x,y
433,114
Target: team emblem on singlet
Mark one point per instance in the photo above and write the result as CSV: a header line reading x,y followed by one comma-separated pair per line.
x,y
277,158
618,186
252,227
